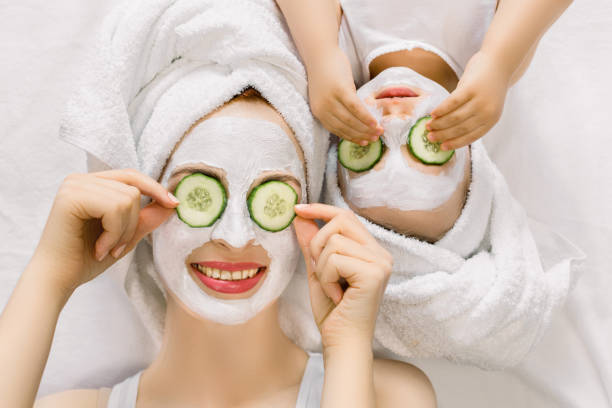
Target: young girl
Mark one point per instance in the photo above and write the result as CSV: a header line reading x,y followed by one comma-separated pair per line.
x,y
418,34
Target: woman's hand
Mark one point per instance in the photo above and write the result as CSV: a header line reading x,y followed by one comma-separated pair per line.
x,y
474,107
333,100
96,214
341,253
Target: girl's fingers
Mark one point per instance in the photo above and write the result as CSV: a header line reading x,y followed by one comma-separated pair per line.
x,y
465,139
144,183
459,130
344,131
455,100
350,119
451,119
355,106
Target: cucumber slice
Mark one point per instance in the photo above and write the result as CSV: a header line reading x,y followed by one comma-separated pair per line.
x,y
271,205
359,158
202,198
424,150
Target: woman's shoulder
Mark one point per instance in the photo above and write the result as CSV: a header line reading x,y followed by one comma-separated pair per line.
x,y
92,398
402,384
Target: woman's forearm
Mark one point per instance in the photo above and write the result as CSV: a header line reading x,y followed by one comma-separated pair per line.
x,y
312,44
516,29
27,325
349,380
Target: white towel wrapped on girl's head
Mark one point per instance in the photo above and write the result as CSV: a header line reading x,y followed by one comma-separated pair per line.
x,y
484,293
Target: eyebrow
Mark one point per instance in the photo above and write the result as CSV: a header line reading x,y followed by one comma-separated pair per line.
x,y
280,176
196,168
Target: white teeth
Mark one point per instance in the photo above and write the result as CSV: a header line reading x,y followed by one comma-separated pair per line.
x,y
226,275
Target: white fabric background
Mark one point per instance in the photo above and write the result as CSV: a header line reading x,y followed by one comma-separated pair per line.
x,y
552,144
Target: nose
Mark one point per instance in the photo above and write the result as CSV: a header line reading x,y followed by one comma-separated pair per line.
x,y
234,228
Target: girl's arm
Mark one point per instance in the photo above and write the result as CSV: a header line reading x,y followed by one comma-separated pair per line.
x,y
83,236
516,29
477,103
332,94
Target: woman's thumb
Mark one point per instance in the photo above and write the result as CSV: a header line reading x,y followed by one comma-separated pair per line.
x,y
150,217
305,230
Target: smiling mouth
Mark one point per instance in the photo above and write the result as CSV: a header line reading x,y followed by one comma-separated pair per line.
x,y
229,277
396,92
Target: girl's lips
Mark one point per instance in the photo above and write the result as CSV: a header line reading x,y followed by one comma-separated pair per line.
x,y
397,92
230,286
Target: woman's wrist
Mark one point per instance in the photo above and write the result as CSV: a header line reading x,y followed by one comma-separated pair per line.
x,y
40,276
349,379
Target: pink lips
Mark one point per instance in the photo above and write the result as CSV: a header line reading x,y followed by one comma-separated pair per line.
x,y
230,286
397,92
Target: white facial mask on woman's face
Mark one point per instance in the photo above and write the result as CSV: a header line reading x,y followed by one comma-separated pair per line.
x,y
397,184
243,148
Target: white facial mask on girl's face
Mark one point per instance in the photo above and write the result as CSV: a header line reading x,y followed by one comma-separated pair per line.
x,y
243,148
397,184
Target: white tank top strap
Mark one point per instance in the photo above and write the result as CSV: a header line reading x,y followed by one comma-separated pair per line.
x,y
125,393
311,387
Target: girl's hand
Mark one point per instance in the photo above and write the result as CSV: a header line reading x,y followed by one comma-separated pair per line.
x,y
342,253
474,107
94,214
333,100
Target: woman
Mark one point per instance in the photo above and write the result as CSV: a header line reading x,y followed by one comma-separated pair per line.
x,y
203,359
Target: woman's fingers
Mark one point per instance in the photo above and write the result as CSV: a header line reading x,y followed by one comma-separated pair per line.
x,y
359,274
321,304
339,221
144,183
149,218
114,198
339,244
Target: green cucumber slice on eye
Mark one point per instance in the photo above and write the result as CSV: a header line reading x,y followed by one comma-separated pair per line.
x,y
359,158
424,150
271,205
202,200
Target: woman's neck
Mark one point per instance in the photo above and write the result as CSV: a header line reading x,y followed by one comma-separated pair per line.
x,y
211,364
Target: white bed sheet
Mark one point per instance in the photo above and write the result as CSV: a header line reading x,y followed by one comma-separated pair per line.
x,y
552,144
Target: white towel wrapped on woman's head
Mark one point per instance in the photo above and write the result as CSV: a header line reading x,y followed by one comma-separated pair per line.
x,y
161,65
